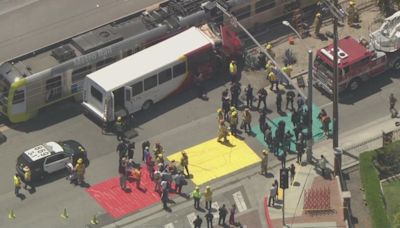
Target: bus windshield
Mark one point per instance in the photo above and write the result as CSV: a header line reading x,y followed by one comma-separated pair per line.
x,y
323,67
4,88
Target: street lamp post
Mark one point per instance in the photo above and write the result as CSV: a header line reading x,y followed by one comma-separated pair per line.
x,y
309,95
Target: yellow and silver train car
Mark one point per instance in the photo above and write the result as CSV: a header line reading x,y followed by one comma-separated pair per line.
x,y
56,72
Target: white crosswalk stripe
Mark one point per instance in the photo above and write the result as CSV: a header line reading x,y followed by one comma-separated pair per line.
x,y
216,207
239,200
191,217
169,225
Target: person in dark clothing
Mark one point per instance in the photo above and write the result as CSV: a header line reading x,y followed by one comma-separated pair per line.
x,y
235,92
222,211
290,98
249,96
144,145
275,145
304,118
300,151
209,219
262,60
279,102
226,103
280,131
199,83
392,103
131,150
292,171
287,140
297,130
164,198
300,102
262,97
295,118
122,149
268,136
262,120
197,222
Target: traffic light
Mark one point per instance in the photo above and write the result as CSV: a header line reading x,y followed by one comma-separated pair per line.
x,y
284,178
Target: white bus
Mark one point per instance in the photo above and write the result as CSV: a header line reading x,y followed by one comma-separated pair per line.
x,y
140,80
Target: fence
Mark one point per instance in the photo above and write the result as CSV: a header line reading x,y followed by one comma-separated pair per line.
x,y
369,144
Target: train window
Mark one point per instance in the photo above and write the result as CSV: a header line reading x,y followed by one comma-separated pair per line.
x,y
105,62
19,96
53,88
128,53
80,73
164,76
242,13
179,69
150,82
137,88
96,94
263,5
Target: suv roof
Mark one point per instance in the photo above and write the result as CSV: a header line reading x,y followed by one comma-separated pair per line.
x,y
43,151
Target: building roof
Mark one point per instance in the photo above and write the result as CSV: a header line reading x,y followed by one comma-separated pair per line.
x,y
150,59
350,51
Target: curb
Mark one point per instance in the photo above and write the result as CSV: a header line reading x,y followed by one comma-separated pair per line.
x,y
266,212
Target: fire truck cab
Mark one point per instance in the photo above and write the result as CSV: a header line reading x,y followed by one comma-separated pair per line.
x,y
357,62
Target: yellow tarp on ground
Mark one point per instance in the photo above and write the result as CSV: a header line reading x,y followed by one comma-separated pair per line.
x,y
211,159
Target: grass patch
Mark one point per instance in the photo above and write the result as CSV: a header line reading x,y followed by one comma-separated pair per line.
x,y
370,180
391,191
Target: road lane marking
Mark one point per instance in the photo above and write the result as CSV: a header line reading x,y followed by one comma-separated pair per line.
x,y
191,217
240,204
216,207
169,225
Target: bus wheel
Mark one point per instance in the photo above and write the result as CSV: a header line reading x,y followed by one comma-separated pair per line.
x,y
354,84
396,65
147,105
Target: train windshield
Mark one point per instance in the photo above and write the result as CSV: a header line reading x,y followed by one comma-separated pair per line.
x,y
4,88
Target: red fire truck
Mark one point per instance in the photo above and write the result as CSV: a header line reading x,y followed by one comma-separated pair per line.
x,y
357,62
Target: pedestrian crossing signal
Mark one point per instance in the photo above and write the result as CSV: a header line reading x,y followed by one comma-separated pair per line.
x,y
284,178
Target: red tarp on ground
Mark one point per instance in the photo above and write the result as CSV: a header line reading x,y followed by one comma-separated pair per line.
x,y
118,202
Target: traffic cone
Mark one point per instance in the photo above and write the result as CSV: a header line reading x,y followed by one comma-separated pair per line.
x,y
64,215
11,215
94,220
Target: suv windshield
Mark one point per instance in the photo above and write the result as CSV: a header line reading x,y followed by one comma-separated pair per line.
x,y
324,67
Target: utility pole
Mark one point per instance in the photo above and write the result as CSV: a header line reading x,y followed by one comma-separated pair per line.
x,y
335,82
310,109
337,13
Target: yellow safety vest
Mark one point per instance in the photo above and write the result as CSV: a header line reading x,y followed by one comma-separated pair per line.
x,y
196,194
233,68
287,70
272,77
27,176
17,181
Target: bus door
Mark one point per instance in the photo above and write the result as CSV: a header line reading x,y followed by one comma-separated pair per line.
x,y
128,99
109,107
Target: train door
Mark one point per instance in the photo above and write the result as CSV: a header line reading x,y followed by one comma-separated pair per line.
x,y
53,89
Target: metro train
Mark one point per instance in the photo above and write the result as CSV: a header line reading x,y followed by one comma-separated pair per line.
x,y
56,72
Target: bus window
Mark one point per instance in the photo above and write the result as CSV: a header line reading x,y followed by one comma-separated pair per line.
x,y
137,88
19,96
179,69
164,76
150,82
96,94
242,13
263,5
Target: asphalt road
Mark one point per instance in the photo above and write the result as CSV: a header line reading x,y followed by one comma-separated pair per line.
x,y
177,123
27,25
